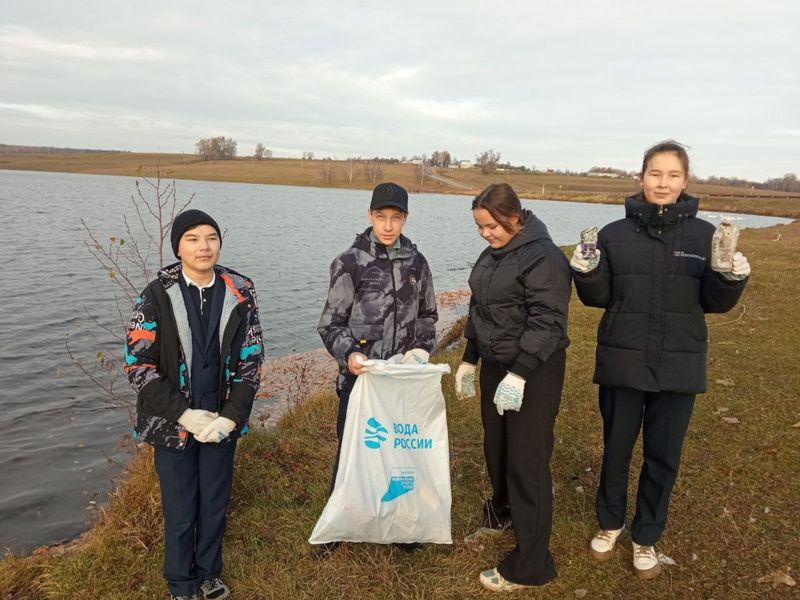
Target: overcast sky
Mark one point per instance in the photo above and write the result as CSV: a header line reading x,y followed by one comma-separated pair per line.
x,y
558,84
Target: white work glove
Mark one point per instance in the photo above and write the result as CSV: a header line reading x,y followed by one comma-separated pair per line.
x,y
465,381
509,393
415,356
195,420
584,265
741,268
217,430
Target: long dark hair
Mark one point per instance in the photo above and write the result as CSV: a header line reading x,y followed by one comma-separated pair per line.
x,y
502,202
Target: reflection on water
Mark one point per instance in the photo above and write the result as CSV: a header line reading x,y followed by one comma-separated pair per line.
x,y
57,436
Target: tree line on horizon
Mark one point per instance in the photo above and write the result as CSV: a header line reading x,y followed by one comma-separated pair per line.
x,y
222,148
17,149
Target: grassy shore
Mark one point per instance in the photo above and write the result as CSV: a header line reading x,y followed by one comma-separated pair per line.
x,y
308,173
733,529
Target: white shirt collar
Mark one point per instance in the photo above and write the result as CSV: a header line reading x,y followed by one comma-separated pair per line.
x,y
191,282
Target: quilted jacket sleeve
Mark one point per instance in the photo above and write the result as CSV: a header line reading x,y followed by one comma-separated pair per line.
x,y
428,314
334,324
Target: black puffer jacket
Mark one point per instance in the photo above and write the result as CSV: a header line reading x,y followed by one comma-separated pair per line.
x,y
520,301
655,282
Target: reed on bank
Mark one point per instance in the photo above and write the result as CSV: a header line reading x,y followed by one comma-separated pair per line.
x,y
732,532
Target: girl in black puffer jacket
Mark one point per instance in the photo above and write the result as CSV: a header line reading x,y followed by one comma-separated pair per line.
x,y
518,327
652,275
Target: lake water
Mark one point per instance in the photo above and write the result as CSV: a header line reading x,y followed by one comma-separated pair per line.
x,y
58,438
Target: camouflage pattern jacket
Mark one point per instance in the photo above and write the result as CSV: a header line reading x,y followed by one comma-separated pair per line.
x,y
377,306
158,356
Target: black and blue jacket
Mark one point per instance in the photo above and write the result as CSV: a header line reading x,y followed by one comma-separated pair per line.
x,y
158,356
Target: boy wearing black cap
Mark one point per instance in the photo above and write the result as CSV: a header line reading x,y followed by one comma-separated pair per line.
x,y
193,355
380,301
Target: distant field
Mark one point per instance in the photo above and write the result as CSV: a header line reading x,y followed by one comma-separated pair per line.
x,y
309,173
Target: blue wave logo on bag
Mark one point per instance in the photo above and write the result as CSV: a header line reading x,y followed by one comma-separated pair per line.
x,y
373,437
402,481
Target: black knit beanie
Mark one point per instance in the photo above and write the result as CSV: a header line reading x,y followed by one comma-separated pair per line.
x,y
186,221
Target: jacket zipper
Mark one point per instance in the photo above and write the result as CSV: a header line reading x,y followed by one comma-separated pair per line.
x,y
661,211
394,299
225,351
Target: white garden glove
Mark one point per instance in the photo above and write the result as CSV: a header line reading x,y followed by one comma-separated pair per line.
x,y
741,268
509,393
195,420
584,265
465,381
217,430
416,356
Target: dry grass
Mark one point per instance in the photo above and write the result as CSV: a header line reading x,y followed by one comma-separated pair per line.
x,y
308,173
733,519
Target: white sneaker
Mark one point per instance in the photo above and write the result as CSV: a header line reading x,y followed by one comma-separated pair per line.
x,y
492,580
645,561
602,544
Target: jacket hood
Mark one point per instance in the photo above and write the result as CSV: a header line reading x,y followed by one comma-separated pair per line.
x,y
644,212
378,250
533,230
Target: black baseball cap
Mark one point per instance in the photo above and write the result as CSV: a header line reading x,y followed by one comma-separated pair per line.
x,y
389,194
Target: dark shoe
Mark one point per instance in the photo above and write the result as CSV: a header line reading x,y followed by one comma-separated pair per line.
x,y
496,519
328,549
214,589
192,597
409,547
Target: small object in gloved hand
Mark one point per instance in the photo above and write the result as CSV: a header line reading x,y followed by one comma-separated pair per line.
x,y
589,242
723,247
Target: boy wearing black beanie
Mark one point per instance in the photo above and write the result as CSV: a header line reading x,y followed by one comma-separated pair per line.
x,y
193,355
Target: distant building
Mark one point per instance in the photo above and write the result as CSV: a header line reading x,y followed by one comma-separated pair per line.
x,y
465,164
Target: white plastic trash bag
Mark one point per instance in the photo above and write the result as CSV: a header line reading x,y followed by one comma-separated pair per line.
x,y
393,483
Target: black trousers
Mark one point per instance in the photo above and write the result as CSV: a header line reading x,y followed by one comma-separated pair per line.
x,y
663,418
517,447
195,490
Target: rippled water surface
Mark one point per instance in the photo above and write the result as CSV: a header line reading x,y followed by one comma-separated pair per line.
x,y
58,437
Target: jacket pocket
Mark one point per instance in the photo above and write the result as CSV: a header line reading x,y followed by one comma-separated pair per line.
x,y
369,339
606,324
